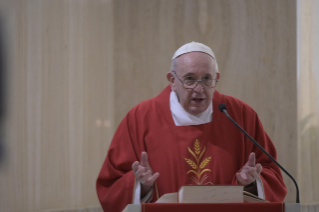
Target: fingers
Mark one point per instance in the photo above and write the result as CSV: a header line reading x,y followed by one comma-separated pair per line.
x,y
138,170
250,171
247,176
144,159
259,168
143,172
251,160
148,179
135,166
154,177
240,179
252,174
244,180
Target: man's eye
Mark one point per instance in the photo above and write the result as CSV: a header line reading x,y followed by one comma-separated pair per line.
x,y
207,78
189,78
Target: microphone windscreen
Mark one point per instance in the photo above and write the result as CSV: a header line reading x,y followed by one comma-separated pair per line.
x,y
222,107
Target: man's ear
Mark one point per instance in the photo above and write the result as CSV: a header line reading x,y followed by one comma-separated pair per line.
x,y
217,75
170,77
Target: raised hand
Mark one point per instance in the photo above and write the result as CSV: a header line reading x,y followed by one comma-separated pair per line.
x,y
144,174
250,172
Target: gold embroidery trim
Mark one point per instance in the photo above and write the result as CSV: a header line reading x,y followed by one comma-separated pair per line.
x,y
198,166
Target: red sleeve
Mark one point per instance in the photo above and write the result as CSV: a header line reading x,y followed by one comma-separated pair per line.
x,y
271,177
115,183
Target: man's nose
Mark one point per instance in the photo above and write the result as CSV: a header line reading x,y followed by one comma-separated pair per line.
x,y
199,87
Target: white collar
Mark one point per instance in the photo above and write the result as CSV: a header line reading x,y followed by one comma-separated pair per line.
x,y
183,118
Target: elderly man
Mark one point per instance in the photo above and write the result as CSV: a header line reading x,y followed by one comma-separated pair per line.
x,y
180,138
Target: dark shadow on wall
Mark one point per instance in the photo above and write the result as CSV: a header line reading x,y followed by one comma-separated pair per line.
x,y
3,91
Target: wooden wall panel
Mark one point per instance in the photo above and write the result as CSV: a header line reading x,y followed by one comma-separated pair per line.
x,y
59,107
308,103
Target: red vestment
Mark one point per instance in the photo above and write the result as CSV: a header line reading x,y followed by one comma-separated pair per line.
x,y
209,153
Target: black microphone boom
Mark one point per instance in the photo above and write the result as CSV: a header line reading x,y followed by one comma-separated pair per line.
x,y
222,108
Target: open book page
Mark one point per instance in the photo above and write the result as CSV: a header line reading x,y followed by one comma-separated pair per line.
x,y
168,198
249,197
210,194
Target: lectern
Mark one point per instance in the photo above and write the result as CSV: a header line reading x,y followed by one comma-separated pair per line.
x,y
215,207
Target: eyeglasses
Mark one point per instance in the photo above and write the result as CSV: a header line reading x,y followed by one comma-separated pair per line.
x,y
190,82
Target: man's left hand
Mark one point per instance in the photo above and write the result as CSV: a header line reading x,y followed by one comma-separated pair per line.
x,y
250,172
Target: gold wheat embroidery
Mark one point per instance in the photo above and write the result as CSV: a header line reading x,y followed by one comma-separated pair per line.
x,y
199,165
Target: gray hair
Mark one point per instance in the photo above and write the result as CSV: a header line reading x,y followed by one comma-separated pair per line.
x,y
173,64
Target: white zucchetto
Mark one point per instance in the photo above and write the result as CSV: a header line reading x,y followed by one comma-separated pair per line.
x,y
193,47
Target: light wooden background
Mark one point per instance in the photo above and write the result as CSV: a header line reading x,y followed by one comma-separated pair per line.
x,y
71,69
308,102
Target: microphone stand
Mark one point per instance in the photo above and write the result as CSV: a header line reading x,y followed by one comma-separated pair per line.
x,y
222,108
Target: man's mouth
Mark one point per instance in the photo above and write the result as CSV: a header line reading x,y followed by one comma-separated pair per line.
x,y
198,99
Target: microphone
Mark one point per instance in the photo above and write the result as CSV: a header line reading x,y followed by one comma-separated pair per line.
x,y
222,108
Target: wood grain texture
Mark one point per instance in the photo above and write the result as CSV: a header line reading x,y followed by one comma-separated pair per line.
x,y
60,88
308,103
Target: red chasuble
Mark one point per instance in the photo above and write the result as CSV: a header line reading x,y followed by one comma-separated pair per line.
x,y
203,154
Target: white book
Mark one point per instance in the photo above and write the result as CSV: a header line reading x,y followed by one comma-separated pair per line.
x,y
210,194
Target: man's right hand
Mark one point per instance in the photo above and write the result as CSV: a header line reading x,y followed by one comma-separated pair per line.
x,y
144,174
